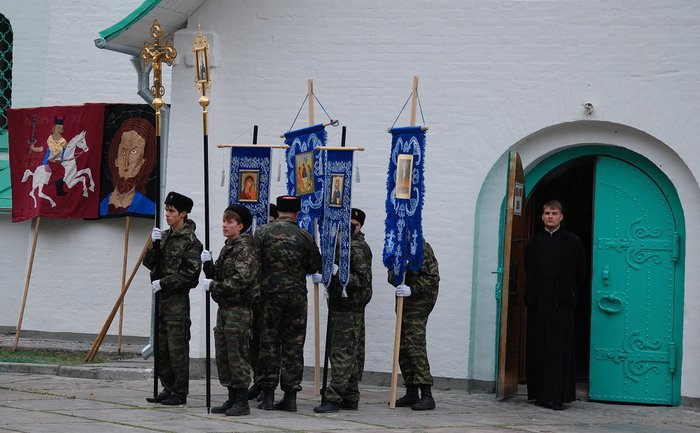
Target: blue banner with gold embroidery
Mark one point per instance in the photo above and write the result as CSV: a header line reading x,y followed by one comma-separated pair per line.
x,y
336,215
305,172
249,182
403,234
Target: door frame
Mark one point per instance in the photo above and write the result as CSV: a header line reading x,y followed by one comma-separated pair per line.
x,y
539,171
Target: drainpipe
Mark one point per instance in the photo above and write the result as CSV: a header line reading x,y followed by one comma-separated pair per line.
x,y
144,92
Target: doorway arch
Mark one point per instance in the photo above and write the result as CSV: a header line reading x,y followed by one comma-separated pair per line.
x,y
584,157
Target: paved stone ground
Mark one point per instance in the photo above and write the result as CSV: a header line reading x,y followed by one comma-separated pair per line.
x,y
55,404
110,397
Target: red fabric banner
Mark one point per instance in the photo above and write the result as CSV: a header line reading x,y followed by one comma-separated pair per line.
x,y
55,155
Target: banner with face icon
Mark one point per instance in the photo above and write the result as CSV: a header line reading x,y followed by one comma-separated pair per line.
x,y
129,175
336,215
249,181
403,235
305,173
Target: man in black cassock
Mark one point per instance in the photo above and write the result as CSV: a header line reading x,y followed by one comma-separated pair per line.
x,y
555,267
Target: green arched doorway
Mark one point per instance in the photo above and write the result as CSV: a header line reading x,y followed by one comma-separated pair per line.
x,y
630,218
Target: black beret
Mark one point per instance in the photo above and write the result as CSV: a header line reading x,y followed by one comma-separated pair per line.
x,y
288,203
358,215
243,213
273,211
179,201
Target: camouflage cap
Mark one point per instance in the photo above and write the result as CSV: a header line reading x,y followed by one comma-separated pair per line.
x,y
288,203
180,202
243,213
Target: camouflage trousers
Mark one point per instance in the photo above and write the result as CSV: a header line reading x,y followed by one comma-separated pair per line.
x,y
413,356
344,359
174,353
360,326
282,335
232,339
254,351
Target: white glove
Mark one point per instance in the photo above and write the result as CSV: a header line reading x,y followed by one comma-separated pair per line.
x,y
205,256
403,291
317,278
155,286
335,269
206,283
156,234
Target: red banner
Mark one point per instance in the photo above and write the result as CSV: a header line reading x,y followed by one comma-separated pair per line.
x,y
55,155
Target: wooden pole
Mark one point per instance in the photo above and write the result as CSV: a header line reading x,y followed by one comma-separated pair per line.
x,y
399,300
317,332
100,337
26,284
121,308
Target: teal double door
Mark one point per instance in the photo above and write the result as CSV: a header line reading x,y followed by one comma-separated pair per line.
x,y
636,296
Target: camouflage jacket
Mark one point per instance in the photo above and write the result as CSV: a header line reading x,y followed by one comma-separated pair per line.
x,y
359,289
180,263
287,253
424,283
236,274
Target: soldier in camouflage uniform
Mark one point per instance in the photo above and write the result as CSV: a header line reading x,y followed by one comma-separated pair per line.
x,y
287,253
234,285
347,323
420,291
180,266
256,388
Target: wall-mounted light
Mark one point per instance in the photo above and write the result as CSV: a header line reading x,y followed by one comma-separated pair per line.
x,y
588,108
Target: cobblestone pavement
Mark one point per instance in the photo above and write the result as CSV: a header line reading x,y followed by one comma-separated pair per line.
x,y
56,404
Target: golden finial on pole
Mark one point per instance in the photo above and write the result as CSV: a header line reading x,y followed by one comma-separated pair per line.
x,y
157,54
202,79
203,83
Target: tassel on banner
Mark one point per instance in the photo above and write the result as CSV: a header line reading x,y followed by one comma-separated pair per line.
x,y
357,171
279,169
344,294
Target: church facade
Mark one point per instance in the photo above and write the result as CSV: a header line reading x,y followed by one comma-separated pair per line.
x,y
598,100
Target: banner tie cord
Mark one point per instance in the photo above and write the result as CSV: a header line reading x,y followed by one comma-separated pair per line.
x,y
404,106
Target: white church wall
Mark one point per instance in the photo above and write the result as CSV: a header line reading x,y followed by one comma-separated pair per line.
x,y
490,78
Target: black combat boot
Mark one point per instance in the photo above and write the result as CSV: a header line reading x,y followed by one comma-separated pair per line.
x,y
288,402
426,399
327,407
240,404
159,398
254,391
227,404
268,398
410,398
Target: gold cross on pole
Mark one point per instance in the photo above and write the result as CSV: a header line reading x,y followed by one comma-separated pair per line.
x,y
157,54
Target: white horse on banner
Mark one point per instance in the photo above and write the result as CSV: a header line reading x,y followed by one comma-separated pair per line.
x,y
42,173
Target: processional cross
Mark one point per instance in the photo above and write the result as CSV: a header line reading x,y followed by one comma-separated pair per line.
x,y
157,54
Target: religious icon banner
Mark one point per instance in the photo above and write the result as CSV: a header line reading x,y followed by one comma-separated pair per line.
x,y
305,172
249,182
129,174
403,235
55,155
336,214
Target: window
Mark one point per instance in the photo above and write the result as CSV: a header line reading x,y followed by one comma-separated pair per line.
x,y
5,101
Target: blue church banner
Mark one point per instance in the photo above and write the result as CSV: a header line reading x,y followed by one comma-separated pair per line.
x,y
336,214
403,234
249,182
305,172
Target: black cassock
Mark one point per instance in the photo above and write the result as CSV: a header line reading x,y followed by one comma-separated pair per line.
x,y
555,267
